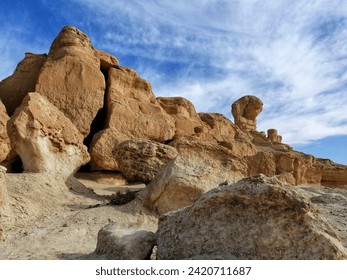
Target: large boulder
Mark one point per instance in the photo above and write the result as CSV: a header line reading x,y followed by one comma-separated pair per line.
x,y
186,119
199,167
45,139
125,243
23,80
140,160
245,111
5,145
132,112
256,218
71,78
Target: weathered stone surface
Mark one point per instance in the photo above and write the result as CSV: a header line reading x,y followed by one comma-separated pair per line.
x,y
140,160
187,121
133,112
263,162
245,110
45,139
23,80
218,129
71,78
106,60
272,134
3,192
199,167
125,243
333,174
5,145
252,219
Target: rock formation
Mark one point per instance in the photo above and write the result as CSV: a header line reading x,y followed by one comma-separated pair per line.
x,y
255,218
14,88
140,160
185,118
245,110
45,139
3,192
125,243
71,78
5,145
132,112
199,167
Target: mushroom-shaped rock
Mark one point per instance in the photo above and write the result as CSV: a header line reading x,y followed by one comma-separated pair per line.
x,y
245,111
45,139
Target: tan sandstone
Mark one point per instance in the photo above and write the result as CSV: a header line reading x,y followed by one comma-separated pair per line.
x,y
14,88
5,145
71,78
245,110
255,218
140,160
45,139
199,167
132,112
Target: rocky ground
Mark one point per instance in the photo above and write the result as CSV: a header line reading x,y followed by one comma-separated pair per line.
x,y
63,224
60,223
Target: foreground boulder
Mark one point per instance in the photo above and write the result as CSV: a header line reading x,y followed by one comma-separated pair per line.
x,y
199,167
140,160
255,218
71,78
15,87
45,139
5,145
118,243
132,112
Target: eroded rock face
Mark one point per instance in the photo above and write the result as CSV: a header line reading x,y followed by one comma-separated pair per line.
x,y
5,145
199,167
187,121
254,218
133,112
119,243
3,192
71,78
14,88
106,60
245,111
140,160
45,139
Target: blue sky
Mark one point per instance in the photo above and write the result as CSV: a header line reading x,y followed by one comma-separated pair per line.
x,y
291,54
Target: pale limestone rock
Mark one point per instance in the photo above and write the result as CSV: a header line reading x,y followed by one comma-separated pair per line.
x,y
45,139
245,110
71,78
199,167
140,160
255,218
187,121
5,145
132,112
125,243
14,88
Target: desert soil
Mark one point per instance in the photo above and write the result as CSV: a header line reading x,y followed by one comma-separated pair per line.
x,y
48,218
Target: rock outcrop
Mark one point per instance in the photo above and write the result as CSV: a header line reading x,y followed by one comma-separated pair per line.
x,y
5,145
71,78
140,160
119,243
132,112
3,192
45,139
14,88
255,218
185,118
199,167
245,110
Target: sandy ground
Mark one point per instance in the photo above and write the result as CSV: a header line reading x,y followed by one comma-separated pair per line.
x,y
49,218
